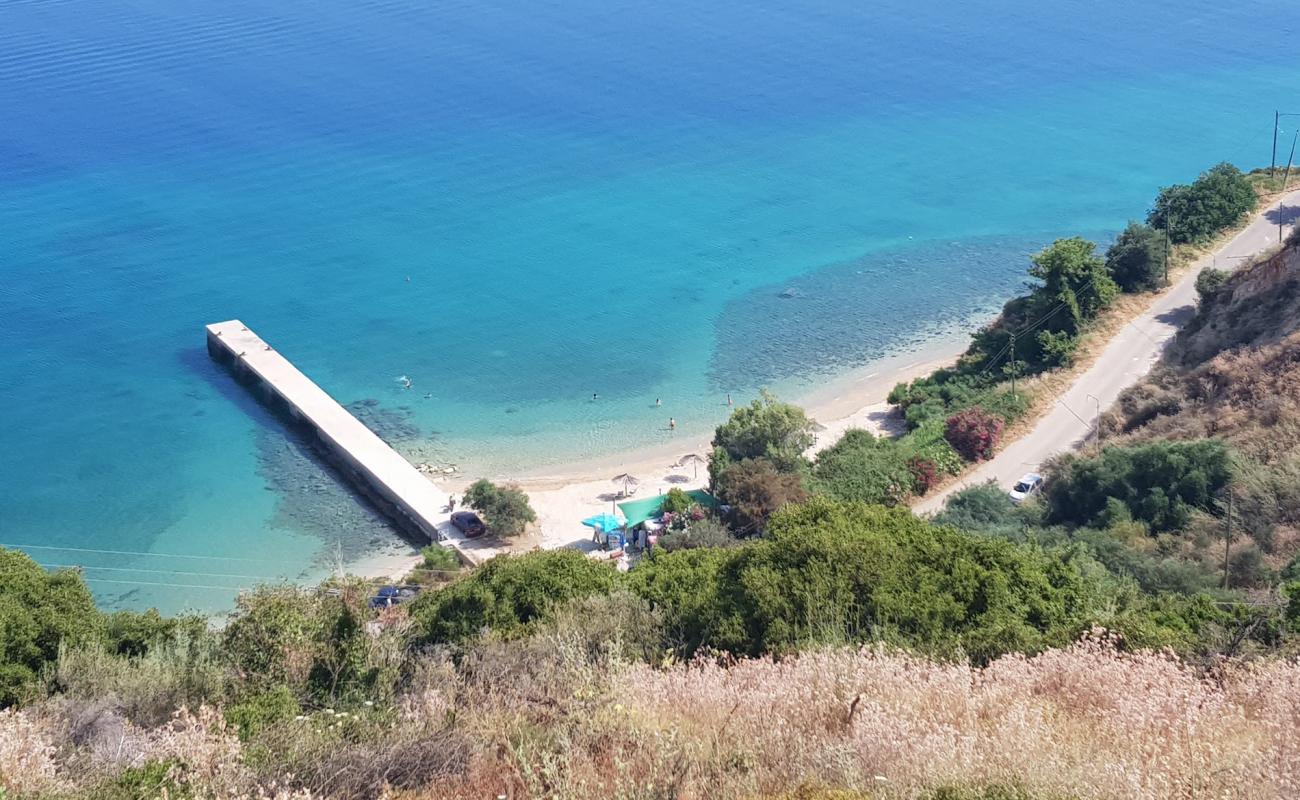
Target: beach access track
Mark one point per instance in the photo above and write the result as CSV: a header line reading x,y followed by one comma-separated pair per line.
x,y
416,504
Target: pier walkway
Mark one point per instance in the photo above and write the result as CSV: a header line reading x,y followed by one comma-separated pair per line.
x,y
414,502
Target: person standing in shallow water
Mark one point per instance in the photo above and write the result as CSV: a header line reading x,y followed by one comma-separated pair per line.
x,y
672,424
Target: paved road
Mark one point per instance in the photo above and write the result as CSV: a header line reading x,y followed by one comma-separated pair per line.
x,y
1071,422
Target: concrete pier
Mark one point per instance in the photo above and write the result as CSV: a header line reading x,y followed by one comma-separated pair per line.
x,y
398,489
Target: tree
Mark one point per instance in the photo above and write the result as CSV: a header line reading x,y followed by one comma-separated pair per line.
x,y
1136,260
1208,283
677,501
755,489
39,611
1160,483
863,468
1072,274
974,433
509,594
1215,201
505,509
766,428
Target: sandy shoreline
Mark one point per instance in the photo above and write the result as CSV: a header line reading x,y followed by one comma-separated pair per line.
x,y
563,496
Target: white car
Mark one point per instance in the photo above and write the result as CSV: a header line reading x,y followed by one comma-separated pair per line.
x,y
1026,486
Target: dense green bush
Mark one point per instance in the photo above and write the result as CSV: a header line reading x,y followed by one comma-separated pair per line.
x,y
1136,259
39,611
313,641
864,468
509,593
833,572
439,559
505,509
1208,283
1215,201
677,501
766,428
1160,484
708,532
1073,275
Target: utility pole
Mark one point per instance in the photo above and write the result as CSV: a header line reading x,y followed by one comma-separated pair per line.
x,y
1272,167
1286,178
1097,423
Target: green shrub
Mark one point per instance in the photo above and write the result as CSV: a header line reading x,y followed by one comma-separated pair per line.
x,y
928,442
864,468
1208,283
313,641
1074,275
1215,201
39,611
831,572
505,509
707,532
980,508
1136,260
256,712
1160,484
508,594
149,780
677,501
439,559
187,670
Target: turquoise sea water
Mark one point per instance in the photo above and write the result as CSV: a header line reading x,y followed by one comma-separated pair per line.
x,y
671,200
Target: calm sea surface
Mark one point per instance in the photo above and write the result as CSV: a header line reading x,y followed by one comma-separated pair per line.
x,y
520,204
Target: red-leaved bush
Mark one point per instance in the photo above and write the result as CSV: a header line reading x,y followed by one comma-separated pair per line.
x,y
924,474
974,433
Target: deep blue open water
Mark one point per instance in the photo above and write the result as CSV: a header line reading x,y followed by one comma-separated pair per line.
x,y
585,196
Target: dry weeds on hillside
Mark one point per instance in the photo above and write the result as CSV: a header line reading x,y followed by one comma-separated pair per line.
x,y
546,719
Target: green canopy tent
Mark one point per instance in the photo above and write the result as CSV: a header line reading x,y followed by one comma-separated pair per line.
x,y
638,511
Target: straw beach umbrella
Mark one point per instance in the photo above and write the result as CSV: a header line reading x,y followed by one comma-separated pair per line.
x,y
695,460
625,480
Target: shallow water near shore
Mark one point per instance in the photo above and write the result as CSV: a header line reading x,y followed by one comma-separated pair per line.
x,y
518,208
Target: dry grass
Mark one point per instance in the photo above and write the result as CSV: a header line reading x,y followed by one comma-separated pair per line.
x,y
1086,722
548,718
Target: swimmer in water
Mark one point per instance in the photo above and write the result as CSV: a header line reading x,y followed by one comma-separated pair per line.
x,y
672,424
658,402
593,397
405,381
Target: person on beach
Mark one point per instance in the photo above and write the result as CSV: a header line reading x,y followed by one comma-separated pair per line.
x,y
451,502
672,424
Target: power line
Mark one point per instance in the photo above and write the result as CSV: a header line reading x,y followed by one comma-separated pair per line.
x,y
126,552
169,585
162,571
